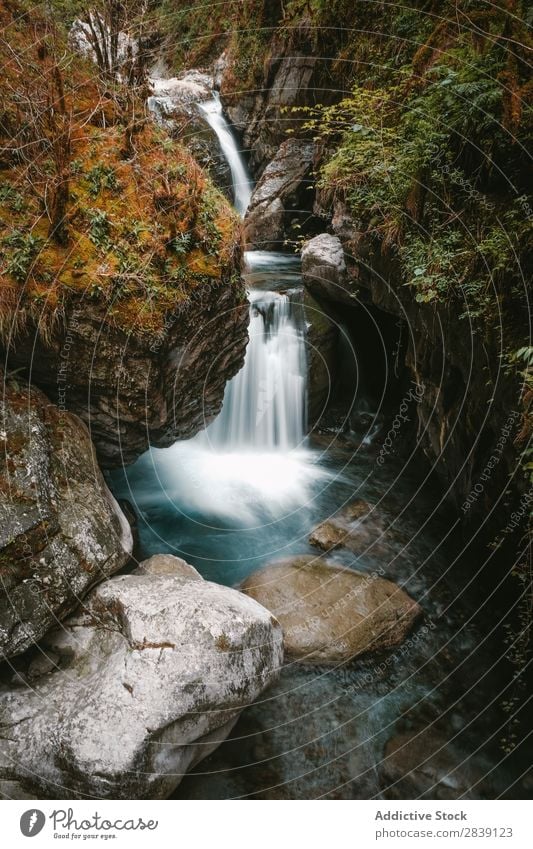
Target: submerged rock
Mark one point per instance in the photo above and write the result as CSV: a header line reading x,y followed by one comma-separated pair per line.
x,y
141,685
424,765
61,530
332,614
357,527
280,194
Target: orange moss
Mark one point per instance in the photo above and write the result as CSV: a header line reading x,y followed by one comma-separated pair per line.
x,y
139,237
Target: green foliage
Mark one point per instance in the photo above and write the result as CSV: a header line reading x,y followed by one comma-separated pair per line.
x,y
418,158
99,228
524,356
133,229
431,264
14,199
102,177
197,30
24,249
180,244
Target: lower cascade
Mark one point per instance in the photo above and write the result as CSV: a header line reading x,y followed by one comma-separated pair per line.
x,y
264,405
252,463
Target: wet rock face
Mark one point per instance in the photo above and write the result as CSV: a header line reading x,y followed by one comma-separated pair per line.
x,y
448,364
280,196
134,391
331,614
144,683
264,117
321,350
61,530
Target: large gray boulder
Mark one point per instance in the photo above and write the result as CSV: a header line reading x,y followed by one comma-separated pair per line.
x,y
137,688
280,195
331,614
324,269
61,530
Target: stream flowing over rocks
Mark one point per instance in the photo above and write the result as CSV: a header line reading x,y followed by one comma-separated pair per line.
x,y
294,614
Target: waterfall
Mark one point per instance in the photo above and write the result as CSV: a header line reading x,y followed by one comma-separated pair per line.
x,y
211,110
250,465
264,405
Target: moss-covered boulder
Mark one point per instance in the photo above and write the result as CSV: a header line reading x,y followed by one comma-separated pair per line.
x,y
61,530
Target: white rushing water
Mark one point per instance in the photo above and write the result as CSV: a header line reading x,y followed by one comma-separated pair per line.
x,y
242,185
264,405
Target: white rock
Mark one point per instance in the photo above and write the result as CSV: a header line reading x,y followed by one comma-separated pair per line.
x,y
148,680
324,269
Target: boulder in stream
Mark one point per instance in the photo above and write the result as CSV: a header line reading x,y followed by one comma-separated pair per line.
x,y
143,683
331,614
324,270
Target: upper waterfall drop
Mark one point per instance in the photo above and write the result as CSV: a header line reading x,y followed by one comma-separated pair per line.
x,y
242,184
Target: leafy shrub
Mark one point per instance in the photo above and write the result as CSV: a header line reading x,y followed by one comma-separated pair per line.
x,y
25,248
102,177
99,227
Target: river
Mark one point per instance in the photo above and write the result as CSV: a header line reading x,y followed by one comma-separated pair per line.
x,y
247,491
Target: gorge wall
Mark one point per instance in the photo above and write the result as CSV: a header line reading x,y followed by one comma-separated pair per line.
x,y
419,171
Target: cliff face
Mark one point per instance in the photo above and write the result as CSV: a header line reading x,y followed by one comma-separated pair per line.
x,y
135,392
120,287
466,408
